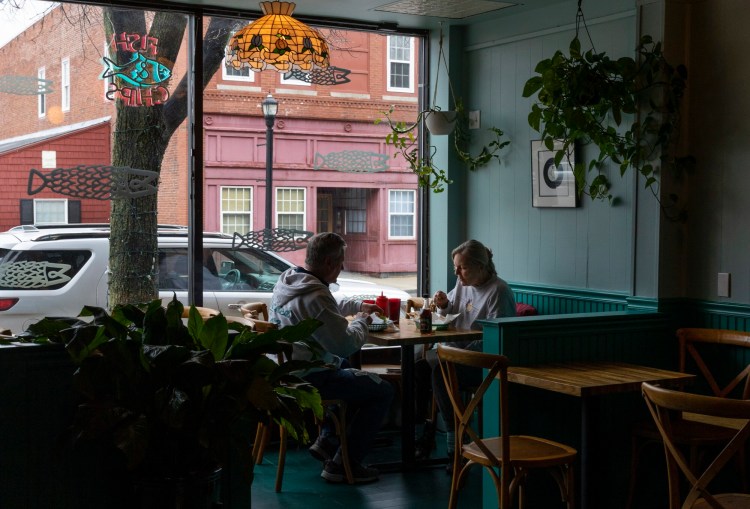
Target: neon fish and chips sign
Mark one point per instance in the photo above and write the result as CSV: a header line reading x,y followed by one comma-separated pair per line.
x,y
141,80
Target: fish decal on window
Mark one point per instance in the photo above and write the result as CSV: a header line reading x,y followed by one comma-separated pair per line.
x,y
25,85
327,76
97,182
139,72
352,161
278,240
33,274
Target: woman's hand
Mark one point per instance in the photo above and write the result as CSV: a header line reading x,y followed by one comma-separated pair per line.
x,y
440,299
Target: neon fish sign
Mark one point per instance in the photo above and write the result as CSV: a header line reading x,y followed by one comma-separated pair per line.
x,y
142,79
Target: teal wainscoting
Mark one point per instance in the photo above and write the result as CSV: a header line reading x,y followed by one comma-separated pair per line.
x,y
708,314
549,300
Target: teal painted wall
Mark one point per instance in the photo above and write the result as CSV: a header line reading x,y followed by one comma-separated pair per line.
x,y
630,247
572,247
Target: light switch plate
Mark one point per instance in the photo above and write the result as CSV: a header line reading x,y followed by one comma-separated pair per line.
x,y
474,119
724,287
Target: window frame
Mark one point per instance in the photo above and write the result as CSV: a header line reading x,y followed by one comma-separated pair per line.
x,y
41,104
413,214
223,212
64,201
250,78
65,84
276,207
410,62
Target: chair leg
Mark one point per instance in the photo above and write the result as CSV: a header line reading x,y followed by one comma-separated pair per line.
x,y
571,482
339,421
453,500
282,458
636,449
259,444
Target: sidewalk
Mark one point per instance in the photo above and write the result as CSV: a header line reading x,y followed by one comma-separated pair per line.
x,y
405,283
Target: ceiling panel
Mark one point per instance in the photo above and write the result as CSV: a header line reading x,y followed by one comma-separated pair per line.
x,y
414,14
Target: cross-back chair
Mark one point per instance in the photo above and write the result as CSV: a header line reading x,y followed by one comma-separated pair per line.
x,y
205,312
508,458
255,310
667,407
697,432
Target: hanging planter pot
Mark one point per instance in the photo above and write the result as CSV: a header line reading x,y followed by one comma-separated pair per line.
x,y
440,122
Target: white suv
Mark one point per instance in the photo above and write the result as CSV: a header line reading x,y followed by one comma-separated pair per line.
x,y
55,271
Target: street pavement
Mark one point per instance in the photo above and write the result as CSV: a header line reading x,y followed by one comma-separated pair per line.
x,y
406,283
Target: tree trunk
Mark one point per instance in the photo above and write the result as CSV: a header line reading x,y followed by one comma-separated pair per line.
x,y
140,139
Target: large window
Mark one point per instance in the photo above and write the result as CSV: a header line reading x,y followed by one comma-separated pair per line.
x,y
50,211
290,208
236,209
400,63
401,214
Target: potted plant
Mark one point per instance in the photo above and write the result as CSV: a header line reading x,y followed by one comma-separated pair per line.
x,y
404,139
170,403
582,98
403,136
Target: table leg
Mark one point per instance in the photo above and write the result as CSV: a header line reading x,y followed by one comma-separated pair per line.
x,y
407,406
590,456
584,456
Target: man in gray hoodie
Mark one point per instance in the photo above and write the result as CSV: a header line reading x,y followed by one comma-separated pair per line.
x,y
304,292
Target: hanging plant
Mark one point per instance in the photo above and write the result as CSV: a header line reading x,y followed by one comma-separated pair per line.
x,y
582,98
404,137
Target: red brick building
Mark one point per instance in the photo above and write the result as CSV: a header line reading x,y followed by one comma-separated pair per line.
x,y
331,168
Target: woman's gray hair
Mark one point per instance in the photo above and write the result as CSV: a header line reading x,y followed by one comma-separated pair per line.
x,y
322,246
478,254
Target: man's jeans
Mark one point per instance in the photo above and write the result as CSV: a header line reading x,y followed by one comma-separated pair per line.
x,y
368,399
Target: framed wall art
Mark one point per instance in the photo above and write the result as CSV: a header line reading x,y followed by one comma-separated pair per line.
x,y
551,186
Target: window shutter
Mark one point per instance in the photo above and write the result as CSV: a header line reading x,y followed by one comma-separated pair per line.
x,y
74,211
27,211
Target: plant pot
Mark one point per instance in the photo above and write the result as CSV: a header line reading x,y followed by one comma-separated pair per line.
x,y
440,122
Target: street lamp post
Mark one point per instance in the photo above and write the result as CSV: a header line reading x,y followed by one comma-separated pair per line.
x,y
270,107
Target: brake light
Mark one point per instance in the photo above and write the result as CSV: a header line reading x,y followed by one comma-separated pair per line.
x,y
6,304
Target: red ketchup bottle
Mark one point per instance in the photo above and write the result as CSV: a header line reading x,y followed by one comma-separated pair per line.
x,y
382,303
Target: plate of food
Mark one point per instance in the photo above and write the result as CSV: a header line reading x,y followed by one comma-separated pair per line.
x,y
378,323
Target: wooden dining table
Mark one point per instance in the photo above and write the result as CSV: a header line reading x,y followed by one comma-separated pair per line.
x,y
588,380
407,336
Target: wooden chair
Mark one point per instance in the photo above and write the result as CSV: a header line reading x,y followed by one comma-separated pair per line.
x,y
255,310
335,409
696,347
512,455
259,325
205,313
414,304
667,407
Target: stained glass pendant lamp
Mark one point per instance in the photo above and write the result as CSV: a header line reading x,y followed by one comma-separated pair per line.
x,y
278,41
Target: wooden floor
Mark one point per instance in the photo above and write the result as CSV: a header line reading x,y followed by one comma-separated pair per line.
x,y
304,488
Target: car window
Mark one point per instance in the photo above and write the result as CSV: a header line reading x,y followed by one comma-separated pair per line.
x,y
245,269
35,270
174,274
